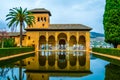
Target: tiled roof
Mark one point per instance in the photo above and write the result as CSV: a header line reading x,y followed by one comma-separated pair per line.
x,y
68,26
15,33
40,10
56,27
63,27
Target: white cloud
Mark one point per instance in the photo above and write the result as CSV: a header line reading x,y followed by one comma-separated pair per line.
x,y
88,12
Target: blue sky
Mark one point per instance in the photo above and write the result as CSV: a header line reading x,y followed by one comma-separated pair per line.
x,y
87,12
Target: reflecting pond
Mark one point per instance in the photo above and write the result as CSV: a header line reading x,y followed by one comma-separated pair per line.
x,y
99,70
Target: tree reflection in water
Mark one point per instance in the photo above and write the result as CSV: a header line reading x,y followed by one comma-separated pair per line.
x,y
4,72
112,72
12,72
14,76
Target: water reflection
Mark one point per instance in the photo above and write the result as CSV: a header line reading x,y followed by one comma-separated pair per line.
x,y
112,72
4,72
11,74
62,60
49,76
32,68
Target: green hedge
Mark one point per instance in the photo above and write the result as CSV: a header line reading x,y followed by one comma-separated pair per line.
x,y
109,51
14,50
113,61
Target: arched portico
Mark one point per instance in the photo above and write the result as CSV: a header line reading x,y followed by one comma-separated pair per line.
x,y
42,42
82,43
62,40
51,42
73,42
58,44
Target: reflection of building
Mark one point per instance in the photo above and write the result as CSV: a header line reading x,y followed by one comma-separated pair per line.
x,y
59,61
59,44
46,76
37,76
43,34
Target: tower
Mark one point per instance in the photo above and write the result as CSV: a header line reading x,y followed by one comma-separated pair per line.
x,y
42,17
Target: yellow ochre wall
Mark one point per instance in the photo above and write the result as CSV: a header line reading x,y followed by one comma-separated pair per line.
x,y
41,23
31,38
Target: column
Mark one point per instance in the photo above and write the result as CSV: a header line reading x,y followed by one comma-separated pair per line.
x,y
56,52
87,38
56,40
77,63
46,51
67,51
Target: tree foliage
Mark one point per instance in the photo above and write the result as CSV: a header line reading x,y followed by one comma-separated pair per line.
x,y
3,35
19,16
8,42
112,22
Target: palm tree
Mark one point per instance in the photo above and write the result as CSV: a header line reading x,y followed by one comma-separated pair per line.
x,y
19,16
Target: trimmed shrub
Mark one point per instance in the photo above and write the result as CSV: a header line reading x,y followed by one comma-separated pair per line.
x,y
8,42
109,51
14,50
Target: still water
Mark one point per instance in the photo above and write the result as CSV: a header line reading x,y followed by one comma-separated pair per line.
x,y
97,67
100,70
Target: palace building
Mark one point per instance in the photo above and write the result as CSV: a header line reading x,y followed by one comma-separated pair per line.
x,y
58,46
44,35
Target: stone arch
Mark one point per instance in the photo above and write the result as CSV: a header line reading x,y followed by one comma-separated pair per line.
x,y
42,39
62,36
51,41
42,42
72,41
82,42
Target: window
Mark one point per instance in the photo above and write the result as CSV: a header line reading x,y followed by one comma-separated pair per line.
x,y
43,25
38,19
28,62
41,18
28,37
45,19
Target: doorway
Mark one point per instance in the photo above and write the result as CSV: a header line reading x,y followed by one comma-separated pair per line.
x,y
62,42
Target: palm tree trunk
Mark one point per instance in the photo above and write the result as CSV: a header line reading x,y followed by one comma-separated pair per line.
x,y
20,34
2,43
20,70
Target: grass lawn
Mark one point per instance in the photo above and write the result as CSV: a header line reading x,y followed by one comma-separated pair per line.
x,y
14,50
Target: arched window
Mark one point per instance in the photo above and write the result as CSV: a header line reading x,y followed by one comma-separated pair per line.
x,y
45,19
41,18
38,19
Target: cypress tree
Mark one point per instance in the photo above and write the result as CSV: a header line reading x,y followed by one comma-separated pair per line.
x,y
111,22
